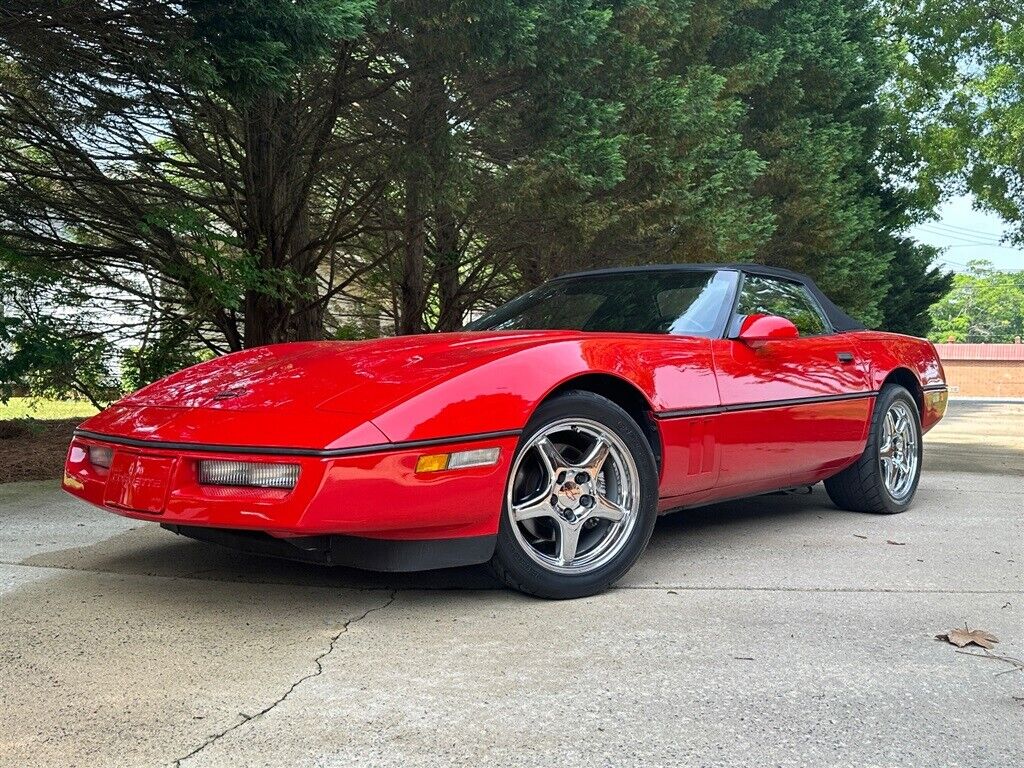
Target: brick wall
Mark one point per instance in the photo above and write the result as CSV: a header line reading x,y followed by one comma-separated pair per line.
x,y
985,378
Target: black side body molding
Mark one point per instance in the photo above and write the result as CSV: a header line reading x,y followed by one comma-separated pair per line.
x,y
270,450
684,412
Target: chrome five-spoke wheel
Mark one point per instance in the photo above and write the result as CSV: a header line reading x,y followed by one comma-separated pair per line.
x,y
899,452
581,499
574,496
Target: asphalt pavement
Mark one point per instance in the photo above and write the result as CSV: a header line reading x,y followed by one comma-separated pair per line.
x,y
773,631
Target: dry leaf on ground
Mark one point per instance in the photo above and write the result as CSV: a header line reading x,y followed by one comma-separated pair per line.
x,y
965,636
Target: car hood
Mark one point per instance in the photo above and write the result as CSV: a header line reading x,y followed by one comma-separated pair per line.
x,y
303,394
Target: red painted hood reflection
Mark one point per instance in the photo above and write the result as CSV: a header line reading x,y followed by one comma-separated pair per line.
x,y
339,376
309,394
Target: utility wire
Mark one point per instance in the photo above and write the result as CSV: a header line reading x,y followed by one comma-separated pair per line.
x,y
958,229
960,238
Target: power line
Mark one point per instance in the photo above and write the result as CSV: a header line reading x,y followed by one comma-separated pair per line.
x,y
964,242
951,263
961,238
957,228
984,245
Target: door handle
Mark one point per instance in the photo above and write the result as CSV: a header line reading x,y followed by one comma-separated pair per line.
x,y
845,357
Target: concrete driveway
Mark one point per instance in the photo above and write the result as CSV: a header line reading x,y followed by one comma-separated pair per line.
x,y
777,631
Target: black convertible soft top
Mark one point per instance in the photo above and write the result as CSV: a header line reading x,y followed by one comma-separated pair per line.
x,y
840,320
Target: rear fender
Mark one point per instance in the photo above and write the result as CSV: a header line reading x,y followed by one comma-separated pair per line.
x,y
902,359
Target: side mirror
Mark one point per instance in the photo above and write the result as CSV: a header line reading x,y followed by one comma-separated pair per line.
x,y
758,330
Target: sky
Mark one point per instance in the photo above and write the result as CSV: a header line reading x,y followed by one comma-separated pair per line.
x,y
965,234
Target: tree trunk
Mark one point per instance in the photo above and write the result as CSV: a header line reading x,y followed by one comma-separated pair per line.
x,y
447,256
426,190
276,233
412,288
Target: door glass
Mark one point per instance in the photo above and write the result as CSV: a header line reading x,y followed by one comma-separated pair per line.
x,y
770,296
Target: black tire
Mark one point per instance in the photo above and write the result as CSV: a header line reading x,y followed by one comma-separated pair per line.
x,y
511,563
861,487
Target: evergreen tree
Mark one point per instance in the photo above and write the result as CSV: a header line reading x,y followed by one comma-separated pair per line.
x,y
810,72
222,173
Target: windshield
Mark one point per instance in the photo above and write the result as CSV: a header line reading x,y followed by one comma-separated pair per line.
x,y
685,302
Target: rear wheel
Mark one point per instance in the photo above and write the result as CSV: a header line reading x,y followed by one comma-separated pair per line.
x,y
885,477
581,499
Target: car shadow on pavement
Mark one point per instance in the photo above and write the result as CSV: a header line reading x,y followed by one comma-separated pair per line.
x,y
147,550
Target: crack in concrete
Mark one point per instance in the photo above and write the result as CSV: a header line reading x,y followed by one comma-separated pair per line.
x,y
318,661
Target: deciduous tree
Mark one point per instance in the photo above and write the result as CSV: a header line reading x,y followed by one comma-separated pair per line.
x,y
984,305
959,88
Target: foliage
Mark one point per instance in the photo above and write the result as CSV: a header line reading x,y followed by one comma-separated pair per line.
x,y
914,285
197,166
55,359
165,351
960,92
47,354
811,73
216,175
984,305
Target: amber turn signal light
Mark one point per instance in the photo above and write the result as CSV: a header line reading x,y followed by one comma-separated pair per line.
x,y
434,462
437,462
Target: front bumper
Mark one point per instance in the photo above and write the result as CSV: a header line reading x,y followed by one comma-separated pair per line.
x,y
374,495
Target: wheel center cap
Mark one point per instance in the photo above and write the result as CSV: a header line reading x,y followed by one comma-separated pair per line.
x,y
569,495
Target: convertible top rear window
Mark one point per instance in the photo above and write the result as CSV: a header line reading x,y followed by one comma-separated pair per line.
x,y
684,302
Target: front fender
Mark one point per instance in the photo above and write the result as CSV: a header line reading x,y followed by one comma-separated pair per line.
x,y
502,394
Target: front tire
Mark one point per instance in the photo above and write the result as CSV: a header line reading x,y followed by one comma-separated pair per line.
x,y
884,479
581,499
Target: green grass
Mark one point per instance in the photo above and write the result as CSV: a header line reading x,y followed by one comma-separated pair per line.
x,y
42,408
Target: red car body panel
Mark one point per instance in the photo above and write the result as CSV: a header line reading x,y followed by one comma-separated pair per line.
x,y
375,495
727,420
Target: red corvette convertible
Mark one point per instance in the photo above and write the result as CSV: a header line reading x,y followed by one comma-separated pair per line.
x,y
545,439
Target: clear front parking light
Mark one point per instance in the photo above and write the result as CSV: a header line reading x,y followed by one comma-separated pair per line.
x,y
251,474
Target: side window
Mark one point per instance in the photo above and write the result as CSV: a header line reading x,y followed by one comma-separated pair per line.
x,y
771,296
